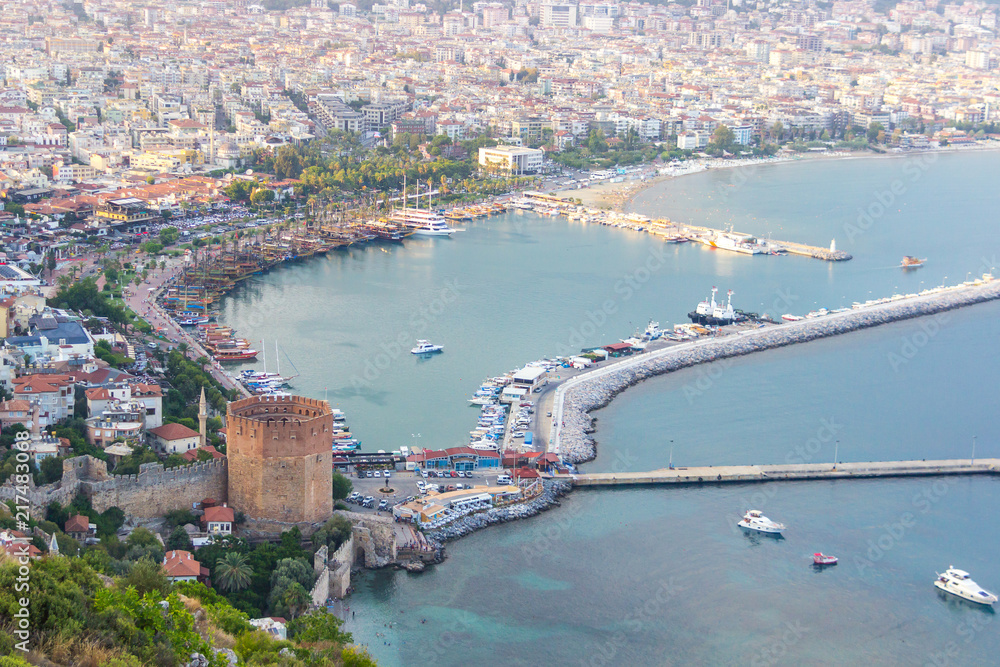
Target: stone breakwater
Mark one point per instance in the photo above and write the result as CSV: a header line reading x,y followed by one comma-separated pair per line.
x,y
549,497
597,389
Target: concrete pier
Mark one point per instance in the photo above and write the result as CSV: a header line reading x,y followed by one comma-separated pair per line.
x,y
787,473
790,246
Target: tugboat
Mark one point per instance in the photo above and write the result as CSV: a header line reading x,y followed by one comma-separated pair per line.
x,y
911,262
957,582
754,520
714,314
822,559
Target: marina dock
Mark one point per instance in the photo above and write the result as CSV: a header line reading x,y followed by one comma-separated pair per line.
x,y
787,473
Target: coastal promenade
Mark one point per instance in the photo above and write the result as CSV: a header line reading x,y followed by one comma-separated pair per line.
x,y
576,398
786,472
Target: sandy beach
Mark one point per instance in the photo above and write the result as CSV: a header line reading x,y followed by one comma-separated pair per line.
x,y
618,196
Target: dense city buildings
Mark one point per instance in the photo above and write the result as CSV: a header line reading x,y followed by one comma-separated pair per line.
x,y
111,95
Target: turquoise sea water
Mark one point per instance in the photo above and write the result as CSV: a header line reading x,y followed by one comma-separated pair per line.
x,y
658,576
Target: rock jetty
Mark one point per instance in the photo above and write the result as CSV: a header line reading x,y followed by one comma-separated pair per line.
x,y
586,393
549,497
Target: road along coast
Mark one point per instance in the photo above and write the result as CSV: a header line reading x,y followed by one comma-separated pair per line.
x,y
574,400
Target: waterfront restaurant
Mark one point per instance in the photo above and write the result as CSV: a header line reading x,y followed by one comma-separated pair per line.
x,y
453,458
529,377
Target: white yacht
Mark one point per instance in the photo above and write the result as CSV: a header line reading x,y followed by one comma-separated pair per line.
x,y
957,582
423,223
754,520
426,347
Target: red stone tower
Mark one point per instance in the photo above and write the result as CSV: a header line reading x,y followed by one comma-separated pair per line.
x,y
280,453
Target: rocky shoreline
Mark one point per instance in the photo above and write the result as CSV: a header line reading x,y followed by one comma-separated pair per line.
x,y
552,491
576,444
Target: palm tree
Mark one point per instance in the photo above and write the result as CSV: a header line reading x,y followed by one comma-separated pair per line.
x,y
233,571
296,599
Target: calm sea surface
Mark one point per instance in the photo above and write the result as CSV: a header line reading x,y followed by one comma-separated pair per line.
x,y
659,576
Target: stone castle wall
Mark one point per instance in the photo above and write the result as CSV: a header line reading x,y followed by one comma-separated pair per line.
x,y
153,492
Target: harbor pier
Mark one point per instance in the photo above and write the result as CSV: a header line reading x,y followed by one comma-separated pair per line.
x,y
786,472
574,400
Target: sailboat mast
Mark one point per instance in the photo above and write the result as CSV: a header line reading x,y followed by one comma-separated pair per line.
x,y
263,351
277,359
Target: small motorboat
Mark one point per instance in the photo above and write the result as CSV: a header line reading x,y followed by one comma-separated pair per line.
x,y
959,583
755,521
823,559
911,262
426,347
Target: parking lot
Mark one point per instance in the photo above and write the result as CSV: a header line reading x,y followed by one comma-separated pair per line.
x,y
404,487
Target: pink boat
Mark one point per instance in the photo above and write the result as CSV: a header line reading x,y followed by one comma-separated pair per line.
x,y
823,559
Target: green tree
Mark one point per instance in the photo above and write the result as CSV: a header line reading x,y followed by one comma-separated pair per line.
x,y
342,486
147,576
233,572
51,470
723,139
318,626
179,539
261,196
295,600
873,132
287,573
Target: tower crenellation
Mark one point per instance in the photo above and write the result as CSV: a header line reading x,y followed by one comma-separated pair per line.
x,y
281,458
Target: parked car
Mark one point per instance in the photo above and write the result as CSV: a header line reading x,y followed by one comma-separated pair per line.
x,y
386,474
454,474
423,473
376,474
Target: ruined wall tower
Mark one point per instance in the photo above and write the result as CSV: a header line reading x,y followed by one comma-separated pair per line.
x,y
281,458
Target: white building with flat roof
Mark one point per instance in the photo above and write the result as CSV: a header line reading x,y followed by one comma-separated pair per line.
x,y
512,159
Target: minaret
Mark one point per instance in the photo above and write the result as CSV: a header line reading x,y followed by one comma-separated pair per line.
x,y
202,418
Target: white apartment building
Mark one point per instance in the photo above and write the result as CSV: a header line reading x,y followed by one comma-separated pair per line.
x,y
512,159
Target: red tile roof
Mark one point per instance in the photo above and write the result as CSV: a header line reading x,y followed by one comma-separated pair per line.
x,y
78,524
180,563
215,514
173,432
